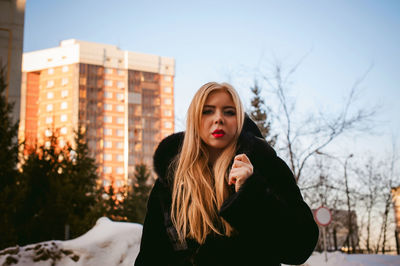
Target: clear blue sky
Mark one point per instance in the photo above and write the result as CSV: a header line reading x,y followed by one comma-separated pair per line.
x,y
234,40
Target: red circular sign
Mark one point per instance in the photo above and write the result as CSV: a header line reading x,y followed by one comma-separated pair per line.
x,y
323,216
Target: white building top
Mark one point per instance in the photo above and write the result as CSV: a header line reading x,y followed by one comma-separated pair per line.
x,y
74,51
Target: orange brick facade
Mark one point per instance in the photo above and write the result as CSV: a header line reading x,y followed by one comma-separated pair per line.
x,y
125,112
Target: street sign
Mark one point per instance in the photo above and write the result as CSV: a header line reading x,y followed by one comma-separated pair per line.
x,y
323,216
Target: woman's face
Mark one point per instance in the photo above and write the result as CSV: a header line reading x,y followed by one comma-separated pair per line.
x,y
218,121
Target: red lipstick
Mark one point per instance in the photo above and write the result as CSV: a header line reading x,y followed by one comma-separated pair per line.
x,y
218,133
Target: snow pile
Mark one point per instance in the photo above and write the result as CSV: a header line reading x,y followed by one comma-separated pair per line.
x,y
337,258
107,243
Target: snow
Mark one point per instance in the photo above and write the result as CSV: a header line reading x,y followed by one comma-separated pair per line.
x,y
117,243
107,243
341,259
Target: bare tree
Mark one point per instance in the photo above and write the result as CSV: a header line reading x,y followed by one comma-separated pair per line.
x,y
321,128
389,180
370,180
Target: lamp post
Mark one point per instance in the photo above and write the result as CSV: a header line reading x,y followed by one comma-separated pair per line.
x,y
349,236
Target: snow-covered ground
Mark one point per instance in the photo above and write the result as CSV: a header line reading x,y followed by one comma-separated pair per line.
x,y
107,243
340,259
116,243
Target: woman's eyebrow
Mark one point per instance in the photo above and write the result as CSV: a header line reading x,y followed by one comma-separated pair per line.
x,y
209,106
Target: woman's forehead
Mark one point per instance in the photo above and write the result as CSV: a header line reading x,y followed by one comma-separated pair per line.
x,y
219,97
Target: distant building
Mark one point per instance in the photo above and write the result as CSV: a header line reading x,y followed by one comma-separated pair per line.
x,y
396,206
124,100
337,231
12,14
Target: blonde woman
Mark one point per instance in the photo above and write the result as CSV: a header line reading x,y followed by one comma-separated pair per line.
x,y
222,196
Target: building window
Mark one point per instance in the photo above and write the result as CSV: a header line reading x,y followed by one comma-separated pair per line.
x,y
119,183
120,158
167,124
120,170
108,131
63,131
61,143
50,71
107,157
50,83
107,144
108,71
50,95
65,69
107,169
106,182
64,93
120,108
108,82
48,133
120,120
120,85
63,118
167,101
108,94
167,89
120,72
49,120
120,145
167,78
64,105
120,133
107,107
120,96
64,81
107,119
167,113
49,107
47,144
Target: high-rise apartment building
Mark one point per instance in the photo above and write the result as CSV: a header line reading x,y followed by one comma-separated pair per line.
x,y
12,13
124,100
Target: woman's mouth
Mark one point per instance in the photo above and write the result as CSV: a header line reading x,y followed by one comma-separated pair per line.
x,y
219,133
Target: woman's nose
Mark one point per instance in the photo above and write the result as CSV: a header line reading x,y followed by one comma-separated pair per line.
x,y
218,118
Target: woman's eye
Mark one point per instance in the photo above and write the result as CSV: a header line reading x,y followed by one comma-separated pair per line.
x,y
207,112
230,113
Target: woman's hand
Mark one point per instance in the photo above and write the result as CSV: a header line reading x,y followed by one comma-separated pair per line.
x,y
241,170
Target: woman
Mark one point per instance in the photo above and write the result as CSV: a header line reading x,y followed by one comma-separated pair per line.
x,y
222,196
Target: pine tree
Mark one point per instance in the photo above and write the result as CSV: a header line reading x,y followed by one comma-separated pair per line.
x,y
81,177
259,115
8,169
59,185
43,211
135,204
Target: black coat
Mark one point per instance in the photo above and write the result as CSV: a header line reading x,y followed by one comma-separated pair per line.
x,y
273,223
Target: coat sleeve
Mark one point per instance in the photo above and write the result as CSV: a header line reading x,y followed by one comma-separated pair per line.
x,y
269,209
155,247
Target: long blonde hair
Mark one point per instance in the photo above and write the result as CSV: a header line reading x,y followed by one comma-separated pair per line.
x,y
198,191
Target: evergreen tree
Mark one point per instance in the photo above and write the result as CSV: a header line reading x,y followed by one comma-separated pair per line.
x,y
81,177
8,169
258,113
135,204
60,191
43,185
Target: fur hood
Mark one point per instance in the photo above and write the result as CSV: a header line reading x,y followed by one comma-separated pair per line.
x,y
250,140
